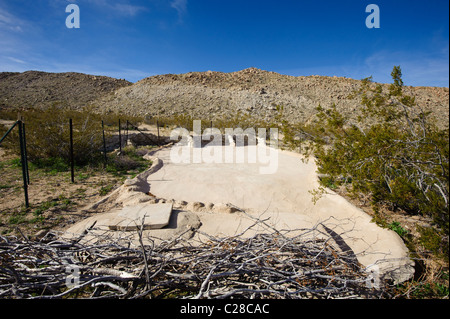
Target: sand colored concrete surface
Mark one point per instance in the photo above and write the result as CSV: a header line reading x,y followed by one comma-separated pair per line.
x,y
285,198
205,197
142,216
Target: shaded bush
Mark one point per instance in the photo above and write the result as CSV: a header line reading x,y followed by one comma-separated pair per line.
x,y
124,163
131,159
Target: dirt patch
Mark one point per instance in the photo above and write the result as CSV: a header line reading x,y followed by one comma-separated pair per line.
x,y
54,201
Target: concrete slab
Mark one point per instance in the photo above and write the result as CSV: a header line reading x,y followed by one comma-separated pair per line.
x,y
182,224
153,216
285,198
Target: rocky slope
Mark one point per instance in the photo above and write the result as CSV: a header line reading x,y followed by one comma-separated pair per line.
x,y
211,95
41,89
202,95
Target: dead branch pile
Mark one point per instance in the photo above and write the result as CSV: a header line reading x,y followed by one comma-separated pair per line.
x,y
270,265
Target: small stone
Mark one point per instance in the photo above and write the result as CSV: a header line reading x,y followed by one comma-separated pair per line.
x,y
182,203
195,206
40,234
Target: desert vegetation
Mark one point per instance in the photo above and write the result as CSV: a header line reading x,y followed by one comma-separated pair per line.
x,y
54,199
394,157
392,160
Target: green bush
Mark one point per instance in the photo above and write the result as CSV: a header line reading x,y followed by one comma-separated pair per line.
x,y
48,136
52,164
431,240
395,226
393,152
131,159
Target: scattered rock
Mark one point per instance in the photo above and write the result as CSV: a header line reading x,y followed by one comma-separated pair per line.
x,y
225,208
207,95
181,203
42,89
195,206
40,234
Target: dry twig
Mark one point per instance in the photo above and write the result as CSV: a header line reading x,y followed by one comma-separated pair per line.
x,y
266,265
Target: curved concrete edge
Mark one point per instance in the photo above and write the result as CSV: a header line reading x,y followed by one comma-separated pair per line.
x,y
137,184
392,263
374,247
380,250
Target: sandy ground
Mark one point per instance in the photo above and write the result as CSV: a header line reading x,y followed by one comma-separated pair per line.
x,y
201,191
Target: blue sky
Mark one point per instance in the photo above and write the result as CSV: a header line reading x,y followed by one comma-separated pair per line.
x,y
134,39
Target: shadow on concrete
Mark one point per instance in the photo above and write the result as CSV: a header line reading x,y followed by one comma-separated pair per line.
x,y
340,242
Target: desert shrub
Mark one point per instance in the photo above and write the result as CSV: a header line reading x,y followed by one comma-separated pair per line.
x,y
431,240
177,120
393,152
124,163
131,159
47,134
52,164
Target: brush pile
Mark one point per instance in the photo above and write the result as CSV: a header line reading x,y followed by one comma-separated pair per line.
x,y
267,265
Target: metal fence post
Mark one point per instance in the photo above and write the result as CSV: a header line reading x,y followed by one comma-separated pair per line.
x,y
71,152
157,126
120,140
126,136
25,153
23,160
104,145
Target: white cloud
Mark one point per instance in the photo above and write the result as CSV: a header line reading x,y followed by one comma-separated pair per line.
x,y
16,60
12,32
8,63
418,69
421,68
123,8
180,6
127,9
9,22
12,64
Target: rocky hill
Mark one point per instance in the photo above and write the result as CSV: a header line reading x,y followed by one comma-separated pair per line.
x,y
202,95
211,95
41,89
